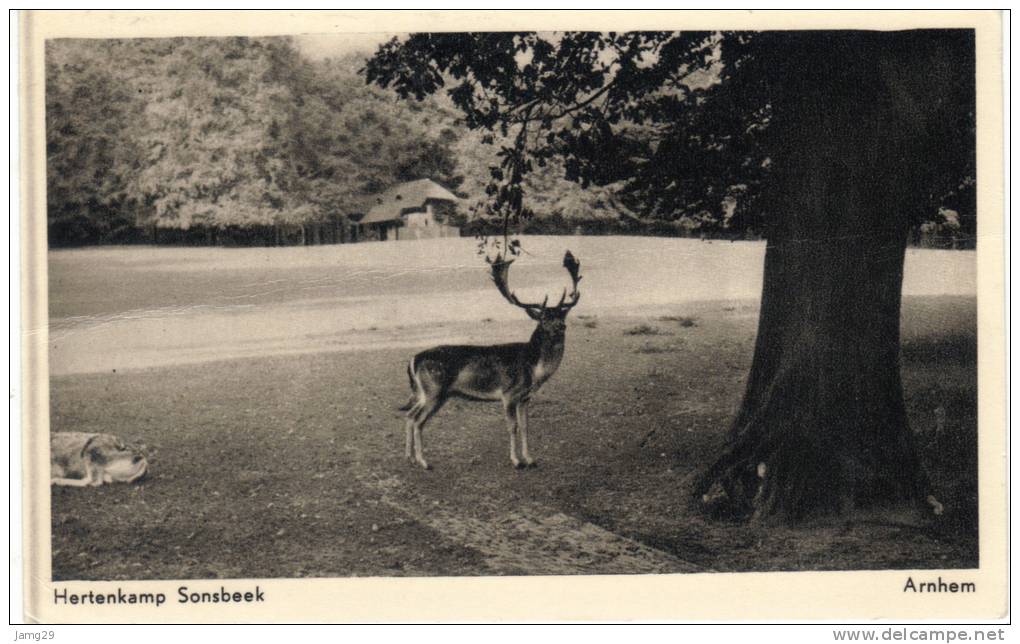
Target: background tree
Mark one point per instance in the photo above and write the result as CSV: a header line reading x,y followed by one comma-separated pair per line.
x,y
347,141
201,135
560,205
217,133
831,143
90,153
214,136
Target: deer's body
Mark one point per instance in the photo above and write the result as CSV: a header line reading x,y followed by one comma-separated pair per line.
x,y
507,373
491,372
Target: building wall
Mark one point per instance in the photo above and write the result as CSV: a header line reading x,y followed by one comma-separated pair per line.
x,y
413,224
422,225
419,219
432,231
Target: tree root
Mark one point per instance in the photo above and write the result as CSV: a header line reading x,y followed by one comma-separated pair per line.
x,y
795,478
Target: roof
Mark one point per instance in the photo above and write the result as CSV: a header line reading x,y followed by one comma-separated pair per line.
x,y
412,194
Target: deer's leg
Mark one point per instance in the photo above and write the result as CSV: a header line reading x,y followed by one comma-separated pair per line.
x,y
71,482
409,431
522,427
510,409
428,408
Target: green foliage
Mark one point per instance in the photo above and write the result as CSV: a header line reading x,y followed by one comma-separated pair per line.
x,y
91,154
213,136
690,126
587,105
223,133
347,140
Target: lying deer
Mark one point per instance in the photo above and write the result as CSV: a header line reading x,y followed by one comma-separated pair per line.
x,y
508,373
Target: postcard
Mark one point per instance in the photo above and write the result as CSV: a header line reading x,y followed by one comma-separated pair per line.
x,y
512,316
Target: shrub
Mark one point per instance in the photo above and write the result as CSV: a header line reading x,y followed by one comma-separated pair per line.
x,y
642,329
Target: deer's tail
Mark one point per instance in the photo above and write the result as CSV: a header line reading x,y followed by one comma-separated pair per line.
x,y
410,377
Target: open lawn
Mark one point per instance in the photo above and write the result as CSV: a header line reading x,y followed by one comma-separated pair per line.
x,y
268,380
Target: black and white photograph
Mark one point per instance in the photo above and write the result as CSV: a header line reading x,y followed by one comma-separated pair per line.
x,y
461,303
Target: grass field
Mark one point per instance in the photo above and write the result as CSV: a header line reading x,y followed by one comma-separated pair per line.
x,y
268,380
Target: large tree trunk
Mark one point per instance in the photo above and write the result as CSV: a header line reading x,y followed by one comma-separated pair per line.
x,y
822,428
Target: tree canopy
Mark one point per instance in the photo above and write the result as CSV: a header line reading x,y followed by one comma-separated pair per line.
x,y
681,124
91,152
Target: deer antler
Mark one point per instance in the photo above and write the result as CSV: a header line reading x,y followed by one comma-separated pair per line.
x,y
574,268
500,272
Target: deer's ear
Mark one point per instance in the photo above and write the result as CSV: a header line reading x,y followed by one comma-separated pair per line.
x,y
534,314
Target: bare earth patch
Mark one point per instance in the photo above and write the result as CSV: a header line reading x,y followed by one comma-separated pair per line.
x,y
532,538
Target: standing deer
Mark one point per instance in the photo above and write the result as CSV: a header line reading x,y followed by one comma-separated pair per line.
x,y
508,373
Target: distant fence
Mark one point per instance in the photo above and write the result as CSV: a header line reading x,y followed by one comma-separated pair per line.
x,y
292,235
559,225
61,235
921,236
924,237
339,233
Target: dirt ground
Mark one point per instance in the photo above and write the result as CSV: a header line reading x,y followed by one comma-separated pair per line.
x,y
291,465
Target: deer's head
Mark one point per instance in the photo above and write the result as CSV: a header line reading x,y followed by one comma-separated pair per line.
x,y
121,463
551,318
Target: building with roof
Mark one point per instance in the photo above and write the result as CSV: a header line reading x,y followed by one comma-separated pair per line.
x,y
411,210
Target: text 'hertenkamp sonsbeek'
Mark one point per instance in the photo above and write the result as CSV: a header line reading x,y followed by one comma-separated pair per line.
x,y
184,596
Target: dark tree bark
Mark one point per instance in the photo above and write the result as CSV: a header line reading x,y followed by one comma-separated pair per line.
x,y
823,428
